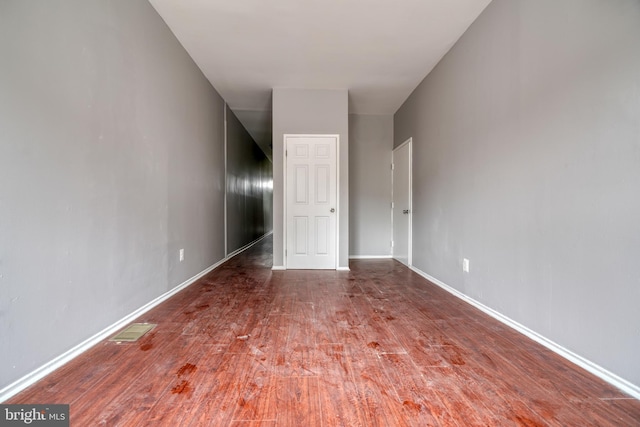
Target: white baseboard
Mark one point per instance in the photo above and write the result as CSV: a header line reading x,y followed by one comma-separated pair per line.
x,y
369,256
597,370
283,268
44,370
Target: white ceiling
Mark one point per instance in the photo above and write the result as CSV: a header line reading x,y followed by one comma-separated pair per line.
x,y
377,49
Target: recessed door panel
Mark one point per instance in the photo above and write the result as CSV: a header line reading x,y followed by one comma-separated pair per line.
x,y
323,184
323,151
301,184
301,231
322,235
301,151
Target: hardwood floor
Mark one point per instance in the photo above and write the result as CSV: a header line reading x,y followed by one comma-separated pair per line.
x,y
376,346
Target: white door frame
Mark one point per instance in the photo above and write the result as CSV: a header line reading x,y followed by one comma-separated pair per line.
x,y
284,173
408,142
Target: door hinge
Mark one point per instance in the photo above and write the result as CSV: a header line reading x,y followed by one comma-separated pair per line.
x,y
392,205
392,166
392,243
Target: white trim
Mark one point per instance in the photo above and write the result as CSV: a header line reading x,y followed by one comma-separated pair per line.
x,y
278,268
44,370
410,143
225,180
284,201
597,370
284,187
338,210
370,256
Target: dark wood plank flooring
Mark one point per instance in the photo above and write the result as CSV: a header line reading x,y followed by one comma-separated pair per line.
x,y
376,346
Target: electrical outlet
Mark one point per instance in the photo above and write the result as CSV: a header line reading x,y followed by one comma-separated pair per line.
x,y
181,255
465,265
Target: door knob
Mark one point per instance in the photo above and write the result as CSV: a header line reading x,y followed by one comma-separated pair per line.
x,y
332,210
406,211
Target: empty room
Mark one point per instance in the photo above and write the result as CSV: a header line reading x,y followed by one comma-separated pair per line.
x,y
305,213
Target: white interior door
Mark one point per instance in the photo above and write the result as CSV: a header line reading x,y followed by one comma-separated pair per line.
x,y
311,202
402,203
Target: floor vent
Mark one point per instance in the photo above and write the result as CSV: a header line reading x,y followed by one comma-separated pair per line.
x,y
133,332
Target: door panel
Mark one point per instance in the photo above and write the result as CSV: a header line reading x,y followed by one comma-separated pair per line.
x,y
301,184
300,233
323,184
311,199
322,233
402,203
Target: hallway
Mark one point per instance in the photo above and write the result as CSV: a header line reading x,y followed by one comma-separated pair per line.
x,y
378,345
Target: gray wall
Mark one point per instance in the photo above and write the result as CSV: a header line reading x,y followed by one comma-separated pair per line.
x,y
370,144
304,111
111,160
527,152
249,175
